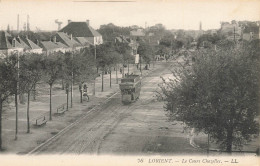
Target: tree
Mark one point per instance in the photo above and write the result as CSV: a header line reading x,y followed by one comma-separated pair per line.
x,y
52,66
207,40
218,95
8,77
67,73
30,74
113,58
84,68
126,57
110,31
106,58
145,52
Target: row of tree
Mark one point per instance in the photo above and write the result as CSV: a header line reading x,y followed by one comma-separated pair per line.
x,y
21,74
218,94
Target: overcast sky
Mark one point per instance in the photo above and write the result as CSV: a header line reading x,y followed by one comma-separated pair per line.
x,y
181,14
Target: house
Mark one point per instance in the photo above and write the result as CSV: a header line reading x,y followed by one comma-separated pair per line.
x,y
232,31
121,39
5,46
250,31
83,29
83,41
9,44
49,47
69,41
131,43
137,33
29,46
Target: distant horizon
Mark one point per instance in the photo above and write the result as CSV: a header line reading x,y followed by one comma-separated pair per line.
x,y
174,15
52,30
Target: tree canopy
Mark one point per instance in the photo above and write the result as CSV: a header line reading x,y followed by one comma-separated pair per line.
x,y
218,94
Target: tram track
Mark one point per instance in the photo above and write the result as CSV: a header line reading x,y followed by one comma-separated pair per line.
x,y
80,137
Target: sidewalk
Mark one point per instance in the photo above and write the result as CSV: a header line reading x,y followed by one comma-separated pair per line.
x,y
26,142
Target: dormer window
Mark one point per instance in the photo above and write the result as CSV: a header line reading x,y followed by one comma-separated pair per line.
x,y
13,42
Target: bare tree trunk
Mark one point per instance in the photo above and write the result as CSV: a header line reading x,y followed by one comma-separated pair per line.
x,y
116,75
123,72
141,66
127,67
67,92
80,96
50,101
94,87
110,78
16,115
62,84
71,94
102,78
28,109
1,105
34,92
21,98
229,139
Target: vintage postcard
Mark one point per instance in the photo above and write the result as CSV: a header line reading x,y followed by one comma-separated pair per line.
x,y
129,82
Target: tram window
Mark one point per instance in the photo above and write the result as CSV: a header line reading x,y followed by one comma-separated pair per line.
x,y
127,91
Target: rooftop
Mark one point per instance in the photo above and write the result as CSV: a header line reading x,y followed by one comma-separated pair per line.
x,y
80,29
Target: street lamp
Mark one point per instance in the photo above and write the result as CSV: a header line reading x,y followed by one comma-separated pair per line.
x,y
16,95
94,85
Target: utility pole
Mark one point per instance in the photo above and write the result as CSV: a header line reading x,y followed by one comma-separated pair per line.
x,y
72,81
116,75
102,87
16,98
140,65
94,85
67,92
234,34
208,146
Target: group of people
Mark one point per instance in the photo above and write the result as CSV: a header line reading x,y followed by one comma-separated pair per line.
x,y
85,90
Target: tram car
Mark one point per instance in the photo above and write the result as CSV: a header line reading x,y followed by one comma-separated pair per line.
x,y
130,87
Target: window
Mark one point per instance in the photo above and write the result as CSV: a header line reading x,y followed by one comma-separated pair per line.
x,y
13,43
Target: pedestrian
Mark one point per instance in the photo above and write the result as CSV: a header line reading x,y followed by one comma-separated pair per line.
x,y
85,91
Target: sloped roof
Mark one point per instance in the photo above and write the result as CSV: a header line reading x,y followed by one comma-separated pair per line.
x,y
64,38
122,39
61,45
94,32
32,44
3,41
23,44
80,29
49,45
138,32
83,41
17,44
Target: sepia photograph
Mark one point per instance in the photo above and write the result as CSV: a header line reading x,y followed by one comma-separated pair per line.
x,y
129,82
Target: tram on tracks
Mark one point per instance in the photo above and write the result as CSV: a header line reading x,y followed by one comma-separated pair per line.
x,y
130,87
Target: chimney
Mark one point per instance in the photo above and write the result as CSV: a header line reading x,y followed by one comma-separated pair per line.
x,y
37,42
54,39
87,22
13,42
18,22
69,21
70,36
28,23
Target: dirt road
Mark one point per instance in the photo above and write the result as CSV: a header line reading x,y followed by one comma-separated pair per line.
x,y
114,128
